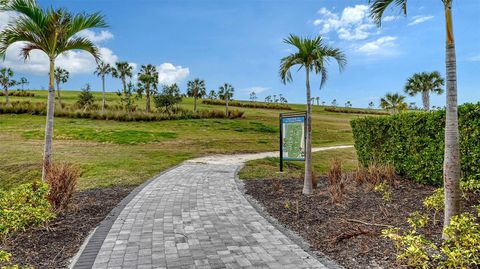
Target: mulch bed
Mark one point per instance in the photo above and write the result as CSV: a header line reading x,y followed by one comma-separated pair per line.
x,y
53,245
348,232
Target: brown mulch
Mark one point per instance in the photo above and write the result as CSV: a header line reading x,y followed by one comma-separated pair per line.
x,y
348,232
53,245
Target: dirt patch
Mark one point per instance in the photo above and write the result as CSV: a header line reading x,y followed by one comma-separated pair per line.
x,y
55,244
347,232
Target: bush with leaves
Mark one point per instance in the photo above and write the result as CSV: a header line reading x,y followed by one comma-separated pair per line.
x,y
168,98
128,98
85,98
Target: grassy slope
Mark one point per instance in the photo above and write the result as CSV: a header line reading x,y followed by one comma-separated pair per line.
x,y
128,153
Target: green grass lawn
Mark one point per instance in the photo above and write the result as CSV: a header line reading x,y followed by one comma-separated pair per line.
x,y
128,153
268,168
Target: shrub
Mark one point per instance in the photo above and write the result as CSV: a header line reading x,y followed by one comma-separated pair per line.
x,y
24,206
336,184
356,111
247,104
19,93
85,98
414,143
62,179
168,98
435,202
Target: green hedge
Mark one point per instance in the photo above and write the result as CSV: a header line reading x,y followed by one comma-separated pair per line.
x,y
414,143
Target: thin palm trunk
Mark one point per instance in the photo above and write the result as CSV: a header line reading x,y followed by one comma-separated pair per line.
x,y
426,100
103,93
147,93
451,165
7,100
307,184
47,152
58,93
195,102
226,106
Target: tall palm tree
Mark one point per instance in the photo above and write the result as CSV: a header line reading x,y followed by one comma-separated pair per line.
x,y
23,81
393,102
225,92
122,70
451,163
61,76
196,89
312,55
425,83
6,82
102,70
53,31
148,78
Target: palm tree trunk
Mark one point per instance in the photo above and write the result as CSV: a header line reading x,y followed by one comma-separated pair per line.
x,y
307,184
195,103
103,93
47,152
147,93
451,164
426,100
7,100
226,106
58,93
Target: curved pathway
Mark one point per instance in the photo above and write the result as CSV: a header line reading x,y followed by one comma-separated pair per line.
x,y
194,216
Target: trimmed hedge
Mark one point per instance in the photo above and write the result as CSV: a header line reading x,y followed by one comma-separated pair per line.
x,y
217,102
414,143
356,111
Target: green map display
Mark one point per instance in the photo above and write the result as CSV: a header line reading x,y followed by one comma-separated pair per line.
x,y
293,138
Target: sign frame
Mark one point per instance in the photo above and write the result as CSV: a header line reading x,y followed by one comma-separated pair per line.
x,y
291,115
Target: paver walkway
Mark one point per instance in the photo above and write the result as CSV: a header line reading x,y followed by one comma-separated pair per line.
x,y
194,216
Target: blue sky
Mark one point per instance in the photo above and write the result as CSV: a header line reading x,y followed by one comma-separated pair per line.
x,y
240,42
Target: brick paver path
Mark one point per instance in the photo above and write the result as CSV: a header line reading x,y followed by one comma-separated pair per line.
x,y
194,216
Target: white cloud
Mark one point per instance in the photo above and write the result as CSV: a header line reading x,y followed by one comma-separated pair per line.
x,y
94,37
256,89
382,46
389,18
419,19
169,73
475,58
353,23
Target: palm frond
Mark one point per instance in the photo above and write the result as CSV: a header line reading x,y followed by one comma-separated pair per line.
x,y
378,7
81,43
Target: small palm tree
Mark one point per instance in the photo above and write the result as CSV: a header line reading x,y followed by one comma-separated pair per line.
x,y
148,78
196,89
451,163
23,81
212,95
371,105
53,31
393,102
103,69
425,83
61,76
312,55
225,92
6,81
318,100
122,70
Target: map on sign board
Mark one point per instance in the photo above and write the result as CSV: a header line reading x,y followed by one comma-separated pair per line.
x,y
293,138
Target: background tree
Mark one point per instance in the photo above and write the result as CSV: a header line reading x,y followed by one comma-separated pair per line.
x,y
393,102
323,103
128,97
61,76
168,98
312,55
196,89
23,81
451,164
148,81
6,75
53,31
425,83
283,100
212,95
253,96
334,102
268,99
122,71
85,98
103,69
225,92
348,104
318,100
371,105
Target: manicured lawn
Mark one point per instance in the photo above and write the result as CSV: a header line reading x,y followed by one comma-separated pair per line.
x,y
268,168
114,153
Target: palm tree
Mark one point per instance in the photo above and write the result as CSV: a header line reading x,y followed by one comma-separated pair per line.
x,y
425,83
393,102
122,70
6,81
53,31
212,95
318,100
102,70
225,92
451,163
148,78
61,76
23,81
334,102
196,89
313,55
253,96
371,105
